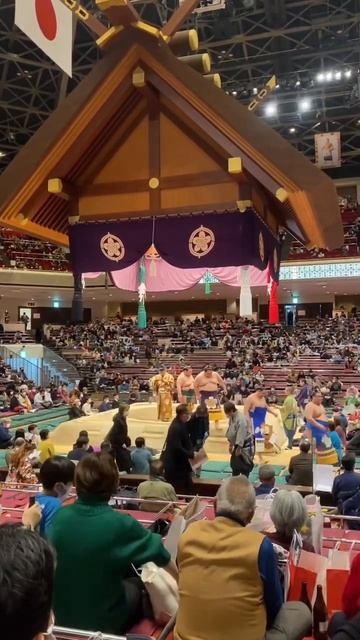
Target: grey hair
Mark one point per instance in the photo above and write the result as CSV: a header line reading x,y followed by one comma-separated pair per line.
x,y
236,496
288,512
266,472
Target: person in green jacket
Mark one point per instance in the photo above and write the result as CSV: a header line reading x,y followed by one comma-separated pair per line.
x,y
289,413
96,548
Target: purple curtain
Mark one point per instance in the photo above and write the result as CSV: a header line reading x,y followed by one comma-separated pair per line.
x,y
204,241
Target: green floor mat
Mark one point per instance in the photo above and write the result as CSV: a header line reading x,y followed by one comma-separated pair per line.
x,y
215,466
213,475
227,469
277,468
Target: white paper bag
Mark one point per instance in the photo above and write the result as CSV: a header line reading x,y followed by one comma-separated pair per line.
x,y
193,511
316,520
162,590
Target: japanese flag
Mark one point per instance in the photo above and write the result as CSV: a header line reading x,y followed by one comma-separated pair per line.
x,y
48,23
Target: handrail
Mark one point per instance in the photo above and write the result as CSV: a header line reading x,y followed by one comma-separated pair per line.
x,y
59,367
16,361
72,634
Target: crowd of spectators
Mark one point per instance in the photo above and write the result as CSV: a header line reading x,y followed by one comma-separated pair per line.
x,y
351,247
113,599
19,251
214,553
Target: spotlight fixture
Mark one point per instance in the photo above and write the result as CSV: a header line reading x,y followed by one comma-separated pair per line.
x,y
338,75
271,109
320,77
297,83
329,76
2,154
292,130
304,105
255,91
348,73
234,93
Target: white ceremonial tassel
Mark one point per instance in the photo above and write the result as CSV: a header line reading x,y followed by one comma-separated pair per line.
x,y
245,293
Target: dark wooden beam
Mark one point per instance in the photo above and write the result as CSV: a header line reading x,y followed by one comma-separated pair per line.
x,y
212,132
93,24
146,213
154,149
167,182
119,12
179,16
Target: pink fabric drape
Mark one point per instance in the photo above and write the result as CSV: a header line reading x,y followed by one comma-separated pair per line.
x,y
170,278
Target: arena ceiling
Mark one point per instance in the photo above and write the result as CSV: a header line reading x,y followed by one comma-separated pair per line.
x,y
312,46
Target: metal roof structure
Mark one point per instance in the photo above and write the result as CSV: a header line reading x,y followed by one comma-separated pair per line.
x,y
312,46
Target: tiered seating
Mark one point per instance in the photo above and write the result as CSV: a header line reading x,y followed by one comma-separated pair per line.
x,y
44,419
22,252
11,337
350,213
276,376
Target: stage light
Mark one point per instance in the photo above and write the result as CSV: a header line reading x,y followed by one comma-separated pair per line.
x,y
234,93
255,91
297,83
292,130
329,76
56,304
320,77
2,154
271,109
348,73
295,300
277,86
304,105
338,75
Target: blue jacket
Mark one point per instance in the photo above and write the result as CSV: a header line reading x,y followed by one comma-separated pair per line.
x,y
5,436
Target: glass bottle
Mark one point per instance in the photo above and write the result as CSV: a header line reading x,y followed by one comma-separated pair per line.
x,y
320,616
304,596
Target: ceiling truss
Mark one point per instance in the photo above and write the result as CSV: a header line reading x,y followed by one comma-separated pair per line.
x,y
249,41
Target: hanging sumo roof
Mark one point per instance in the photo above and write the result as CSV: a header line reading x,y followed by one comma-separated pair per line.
x,y
144,134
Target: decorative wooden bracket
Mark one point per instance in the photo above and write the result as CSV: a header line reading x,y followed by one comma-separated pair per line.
x,y
62,189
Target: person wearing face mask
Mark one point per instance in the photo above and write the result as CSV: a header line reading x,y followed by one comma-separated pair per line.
x,y
57,478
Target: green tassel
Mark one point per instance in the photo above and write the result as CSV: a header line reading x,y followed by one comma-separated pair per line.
x,y
207,283
142,315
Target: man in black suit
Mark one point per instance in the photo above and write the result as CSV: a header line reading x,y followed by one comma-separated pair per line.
x,y
178,452
300,466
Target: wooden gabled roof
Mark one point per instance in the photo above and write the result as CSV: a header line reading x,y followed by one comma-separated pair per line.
x,y
111,136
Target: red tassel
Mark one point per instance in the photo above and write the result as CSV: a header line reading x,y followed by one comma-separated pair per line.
x,y
273,304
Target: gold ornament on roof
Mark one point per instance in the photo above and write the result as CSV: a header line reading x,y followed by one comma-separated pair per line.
x,y
201,242
112,247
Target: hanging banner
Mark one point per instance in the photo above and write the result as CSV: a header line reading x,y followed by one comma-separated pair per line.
x,y
49,24
328,150
187,242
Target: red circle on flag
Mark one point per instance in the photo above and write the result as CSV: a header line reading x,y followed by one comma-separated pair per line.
x,y
46,17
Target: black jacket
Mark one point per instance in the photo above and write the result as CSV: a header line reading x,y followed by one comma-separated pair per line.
x,y
178,450
118,439
350,630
